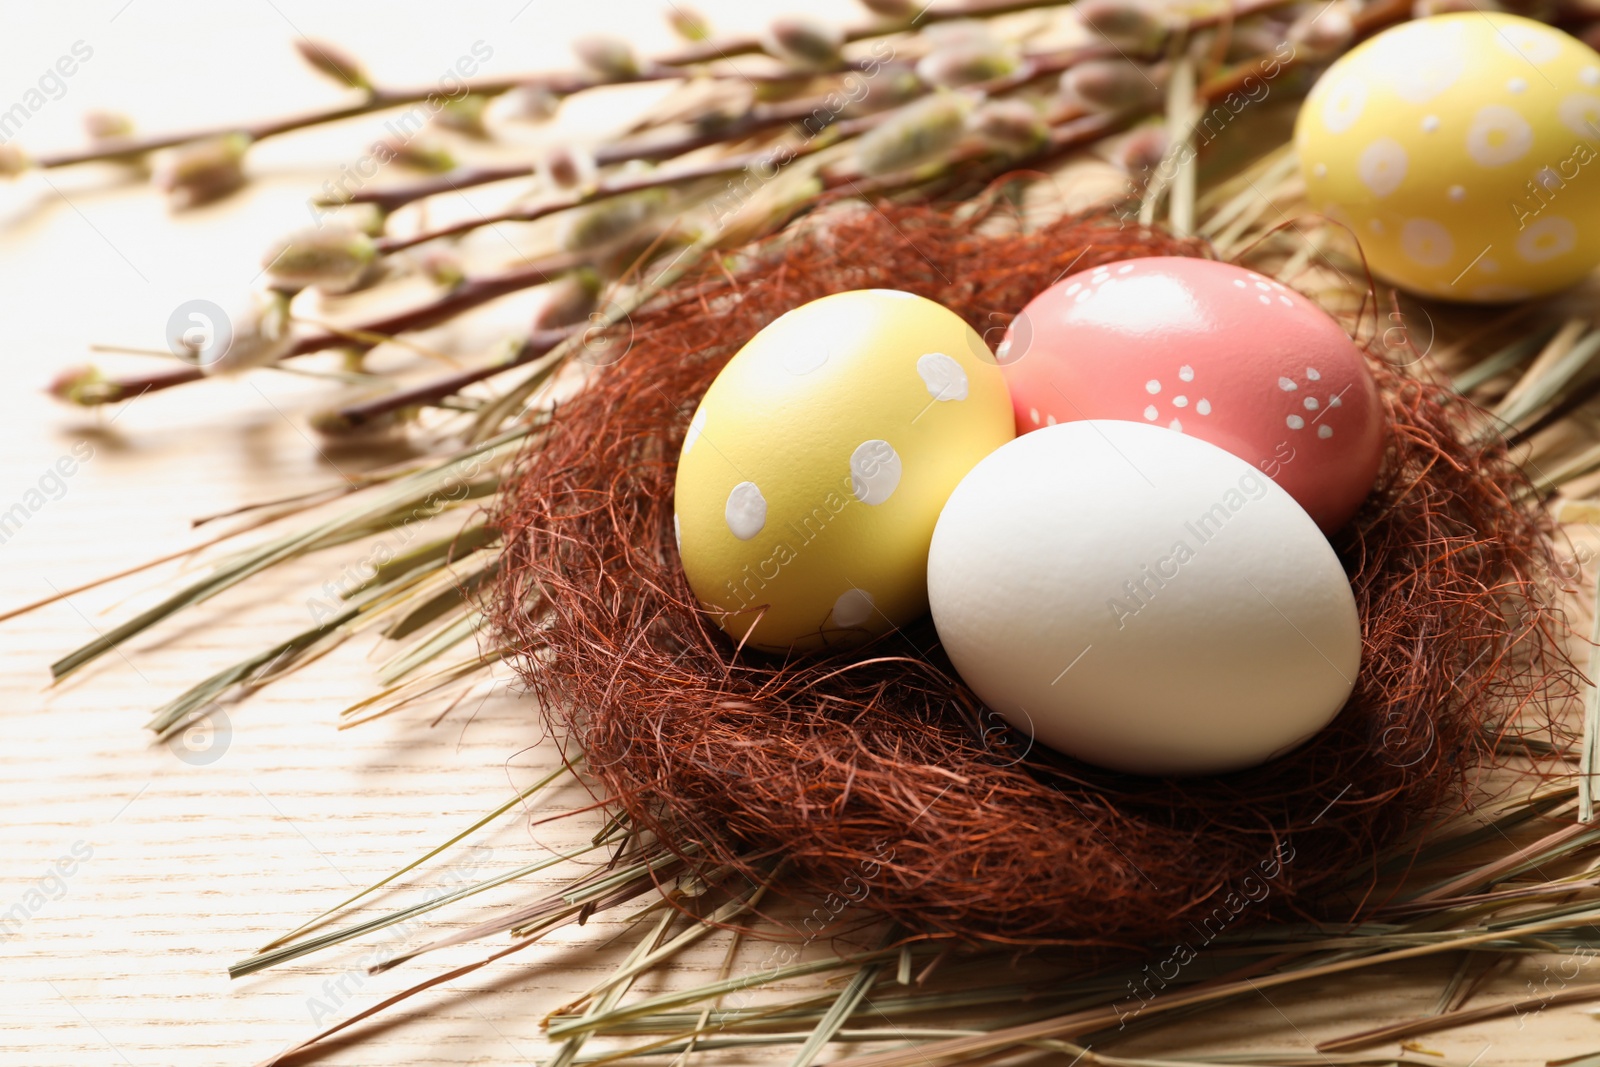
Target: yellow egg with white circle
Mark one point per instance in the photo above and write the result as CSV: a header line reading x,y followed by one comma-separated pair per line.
x,y
814,470
1463,151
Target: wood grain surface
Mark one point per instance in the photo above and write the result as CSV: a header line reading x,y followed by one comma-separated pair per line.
x,y
133,873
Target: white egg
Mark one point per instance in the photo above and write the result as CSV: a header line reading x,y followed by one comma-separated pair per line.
x,y
1142,600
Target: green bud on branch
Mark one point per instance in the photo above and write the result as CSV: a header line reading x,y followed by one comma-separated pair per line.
x,y
530,104
84,386
891,9
1010,125
1127,23
607,57
202,171
964,63
13,160
610,221
1141,152
415,153
102,126
263,334
917,135
443,268
334,63
804,40
567,166
332,258
464,115
688,23
1111,85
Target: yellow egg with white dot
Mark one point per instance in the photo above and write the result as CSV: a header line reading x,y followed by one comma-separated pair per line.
x,y
1463,151
814,470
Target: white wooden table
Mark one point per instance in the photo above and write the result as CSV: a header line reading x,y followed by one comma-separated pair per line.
x,y
132,873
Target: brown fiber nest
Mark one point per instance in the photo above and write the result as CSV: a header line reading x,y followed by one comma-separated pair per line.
x,y
876,769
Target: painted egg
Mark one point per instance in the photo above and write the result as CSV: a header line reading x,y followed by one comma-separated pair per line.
x,y
1462,152
1212,351
813,471
1142,600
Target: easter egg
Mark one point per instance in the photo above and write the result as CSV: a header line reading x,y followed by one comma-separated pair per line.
x,y
814,469
1208,350
1142,600
1462,151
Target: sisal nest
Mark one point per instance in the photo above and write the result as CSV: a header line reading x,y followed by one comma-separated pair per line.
x,y
877,770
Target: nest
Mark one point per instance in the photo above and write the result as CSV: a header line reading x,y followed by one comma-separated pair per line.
x,y
875,773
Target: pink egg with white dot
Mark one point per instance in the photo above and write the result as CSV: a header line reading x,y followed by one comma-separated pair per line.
x,y
1212,350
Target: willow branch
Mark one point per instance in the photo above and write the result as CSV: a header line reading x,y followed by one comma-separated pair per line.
x,y
537,344
469,294
560,84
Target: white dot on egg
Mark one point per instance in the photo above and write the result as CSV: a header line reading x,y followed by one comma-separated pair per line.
x,y
942,376
1313,375
1152,387
1180,401
1295,422
1186,373
1335,400
1528,43
1498,135
1427,242
1547,238
1127,269
1287,385
1516,85
1342,105
1286,302
746,511
1002,351
1320,170
1033,413
1324,431
1073,288
1240,283
801,359
1589,75
1204,407
1264,298
1262,285
1151,413
1487,265
1382,166
1311,403
1049,420
1375,225
1578,111
1456,193
697,426
1086,294
1175,425
874,471
1102,270
854,607
1430,123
